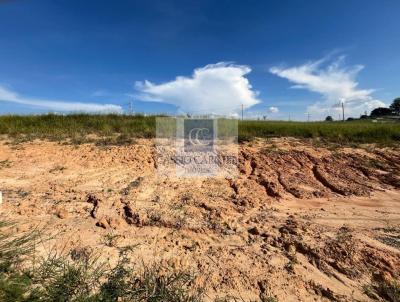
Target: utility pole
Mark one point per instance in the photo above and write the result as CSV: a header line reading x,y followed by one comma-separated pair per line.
x,y
242,112
308,116
130,108
343,110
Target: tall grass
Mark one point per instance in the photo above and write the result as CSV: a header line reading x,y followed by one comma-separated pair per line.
x,y
71,126
82,277
77,126
338,132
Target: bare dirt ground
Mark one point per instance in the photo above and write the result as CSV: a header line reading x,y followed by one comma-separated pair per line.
x,y
300,223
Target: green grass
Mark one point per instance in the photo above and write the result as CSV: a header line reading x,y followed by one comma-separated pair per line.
x,y
123,129
337,132
82,277
74,126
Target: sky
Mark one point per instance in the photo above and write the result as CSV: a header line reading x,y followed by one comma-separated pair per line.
x,y
282,59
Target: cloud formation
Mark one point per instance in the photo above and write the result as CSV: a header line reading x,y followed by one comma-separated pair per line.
x,y
7,95
220,88
335,82
273,110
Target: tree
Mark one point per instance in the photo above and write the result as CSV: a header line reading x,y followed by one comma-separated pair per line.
x,y
395,107
328,119
381,111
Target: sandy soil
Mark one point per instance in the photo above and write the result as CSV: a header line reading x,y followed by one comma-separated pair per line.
x,y
300,223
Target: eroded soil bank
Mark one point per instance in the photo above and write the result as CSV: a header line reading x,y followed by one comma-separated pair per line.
x,y
300,223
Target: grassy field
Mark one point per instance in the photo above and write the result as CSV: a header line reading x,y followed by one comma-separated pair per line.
x,y
338,132
123,128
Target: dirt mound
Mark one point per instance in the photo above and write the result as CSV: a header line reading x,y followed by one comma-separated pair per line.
x,y
303,175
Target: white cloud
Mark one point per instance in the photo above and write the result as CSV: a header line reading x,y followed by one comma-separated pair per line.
x,y
7,95
273,110
216,88
335,82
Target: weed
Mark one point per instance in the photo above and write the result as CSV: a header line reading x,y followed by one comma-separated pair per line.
x,y
270,299
5,164
389,290
64,279
15,283
110,239
292,262
120,140
384,288
81,277
13,249
370,292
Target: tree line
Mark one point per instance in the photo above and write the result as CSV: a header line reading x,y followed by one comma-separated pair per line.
x,y
392,110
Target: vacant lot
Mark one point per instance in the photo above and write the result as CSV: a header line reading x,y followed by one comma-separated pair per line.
x,y
302,222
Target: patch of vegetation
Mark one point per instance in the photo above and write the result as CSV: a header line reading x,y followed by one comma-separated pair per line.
x,y
115,129
334,132
77,126
15,282
270,299
388,290
292,262
110,239
370,292
5,164
119,140
81,277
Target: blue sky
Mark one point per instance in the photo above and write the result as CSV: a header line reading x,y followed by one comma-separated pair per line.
x,y
279,58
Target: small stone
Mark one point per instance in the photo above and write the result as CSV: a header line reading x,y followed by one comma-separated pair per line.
x,y
62,214
254,231
103,223
291,249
